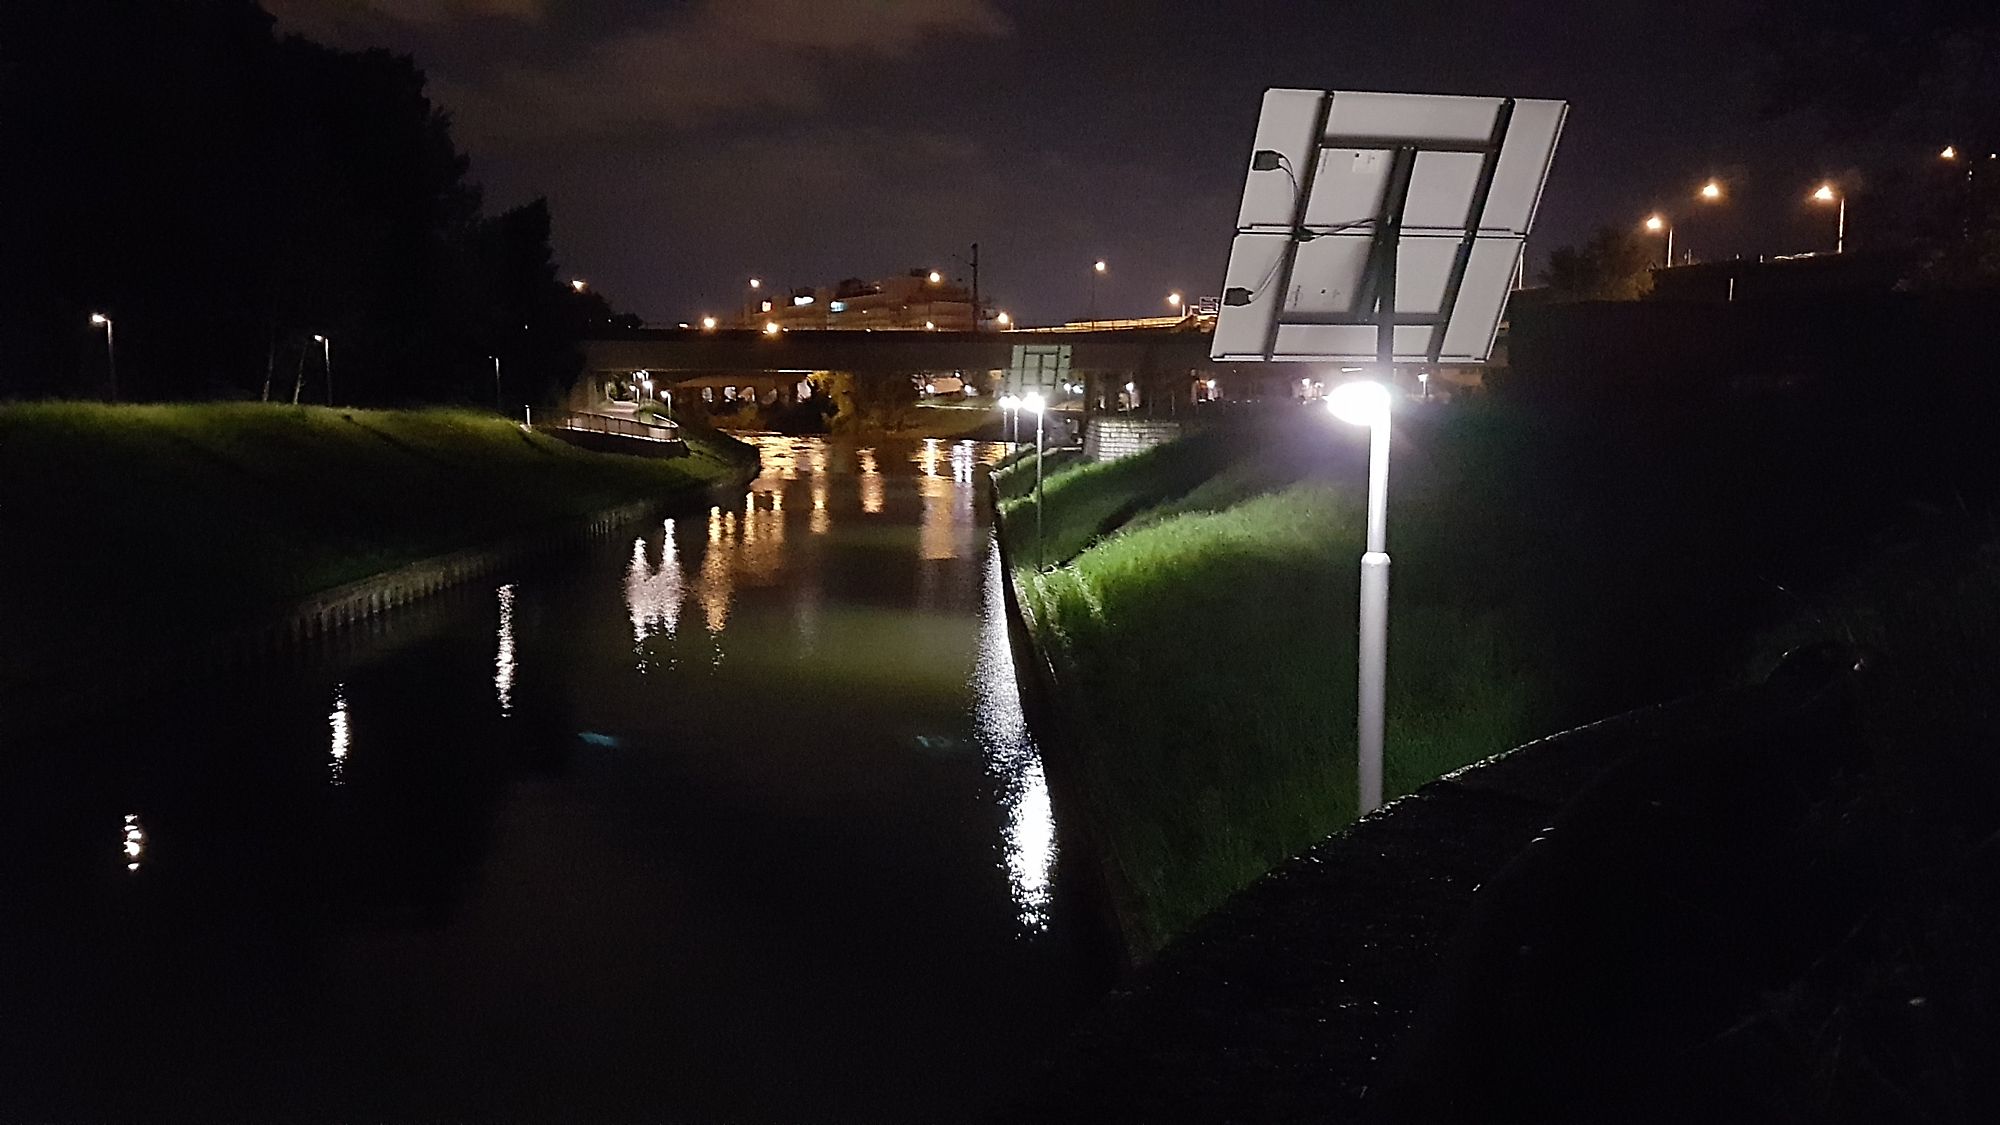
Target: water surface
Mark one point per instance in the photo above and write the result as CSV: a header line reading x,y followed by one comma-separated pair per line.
x,y
732,817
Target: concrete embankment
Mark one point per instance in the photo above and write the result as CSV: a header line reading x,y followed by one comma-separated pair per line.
x,y
1368,963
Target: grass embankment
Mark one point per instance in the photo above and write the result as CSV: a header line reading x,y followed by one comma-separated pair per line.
x,y
1548,571
126,525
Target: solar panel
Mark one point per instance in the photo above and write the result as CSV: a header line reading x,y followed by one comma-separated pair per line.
x,y
1383,227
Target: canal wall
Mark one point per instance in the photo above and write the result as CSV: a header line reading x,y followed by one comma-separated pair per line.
x,y
1108,437
343,609
1057,728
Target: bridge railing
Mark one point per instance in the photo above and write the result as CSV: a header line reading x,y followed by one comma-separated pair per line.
x,y
614,424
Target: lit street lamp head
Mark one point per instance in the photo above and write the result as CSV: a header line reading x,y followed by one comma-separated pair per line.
x,y
1003,320
1099,266
755,283
99,320
1949,152
1034,403
1362,402
1655,223
318,339
1826,194
1010,402
1711,191
579,285
708,324
935,277
1174,299
770,328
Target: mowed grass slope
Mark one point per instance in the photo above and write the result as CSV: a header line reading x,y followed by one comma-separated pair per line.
x,y
121,526
1200,601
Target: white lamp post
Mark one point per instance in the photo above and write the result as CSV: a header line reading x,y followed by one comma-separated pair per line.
x,y
1827,194
1364,403
496,385
1034,403
326,354
99,320
1011,404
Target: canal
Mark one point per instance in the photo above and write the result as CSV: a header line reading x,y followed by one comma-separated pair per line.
x,y
729,817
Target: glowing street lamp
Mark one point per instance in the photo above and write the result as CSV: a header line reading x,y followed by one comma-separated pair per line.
x,y
708,324
1711,191
1366,403
1003,320
1097,269
1010,404
579,285
1828,194
99,320
1174,301
1655,223
1949,152
326,354
770,328
1035,404
935,277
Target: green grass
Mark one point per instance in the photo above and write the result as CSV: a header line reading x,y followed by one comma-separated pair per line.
x,y
1548,571
124,524
1229,744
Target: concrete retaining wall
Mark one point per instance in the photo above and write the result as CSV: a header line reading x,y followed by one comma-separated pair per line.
x,y
1109,438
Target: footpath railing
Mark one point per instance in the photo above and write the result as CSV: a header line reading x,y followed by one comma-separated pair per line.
x,y
613,424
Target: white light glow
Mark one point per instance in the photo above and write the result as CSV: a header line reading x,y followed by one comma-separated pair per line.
x,y
503,661
134,846
1360,403
1034,403
336,721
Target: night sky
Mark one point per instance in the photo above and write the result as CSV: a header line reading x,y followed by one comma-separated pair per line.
x,y
686,145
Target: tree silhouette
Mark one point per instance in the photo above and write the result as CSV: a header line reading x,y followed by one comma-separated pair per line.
x,y
1614,265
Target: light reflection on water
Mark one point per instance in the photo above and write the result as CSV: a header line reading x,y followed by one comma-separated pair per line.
x,y
135,842
336,722
1012,758
503,659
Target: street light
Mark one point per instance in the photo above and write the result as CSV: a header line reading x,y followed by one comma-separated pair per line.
x,y
1827,194
579,285
1003,320
326,355
1949,153
1365,403
708,324
1174,301
935,277
1096,271
1711,191
770,328
1655,223
99,320
1011,405
1035,404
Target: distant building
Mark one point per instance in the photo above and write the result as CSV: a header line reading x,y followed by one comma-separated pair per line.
x,y
912,302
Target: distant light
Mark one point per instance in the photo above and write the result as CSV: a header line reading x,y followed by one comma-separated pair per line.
x,y
579,285
1711,190
1949,153
1423,376
1034,403
756,284
1360,403
1131,388
765,307
708,324
684,324
318,339
1099,266
837,306
936,277
1655,223
99,320
1211,386
1003,320
929,327
1174,299
1826,194
770,328
1010,402
797,301
930,389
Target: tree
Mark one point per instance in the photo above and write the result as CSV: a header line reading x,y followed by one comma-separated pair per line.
x,y
226,194
1615,265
